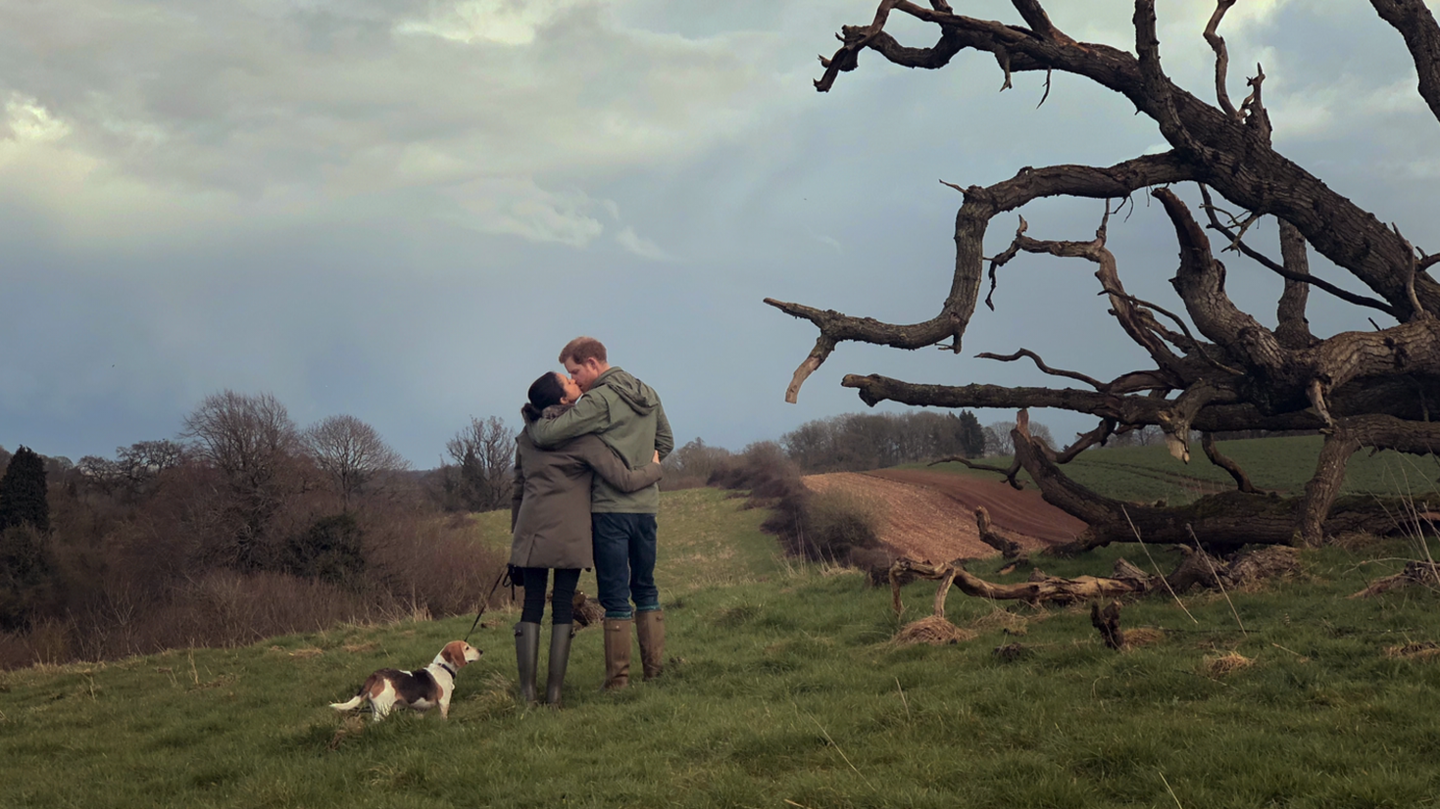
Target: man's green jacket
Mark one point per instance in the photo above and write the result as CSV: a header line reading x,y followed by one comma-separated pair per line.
x,y
627,415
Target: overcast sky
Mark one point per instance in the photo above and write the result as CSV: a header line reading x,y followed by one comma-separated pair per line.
x,y
402,210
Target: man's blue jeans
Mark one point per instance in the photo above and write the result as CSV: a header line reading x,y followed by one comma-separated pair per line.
x,y
625,562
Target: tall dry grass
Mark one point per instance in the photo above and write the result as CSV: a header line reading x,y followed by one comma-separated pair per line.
x,y
140,575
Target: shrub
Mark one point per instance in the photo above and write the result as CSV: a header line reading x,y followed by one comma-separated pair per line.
x,y
823,527
27,576
836,523
329,550
433,564
228,608
22,492
692,465
763,468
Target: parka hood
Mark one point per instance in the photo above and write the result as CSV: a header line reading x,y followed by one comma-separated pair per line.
x,y
639,396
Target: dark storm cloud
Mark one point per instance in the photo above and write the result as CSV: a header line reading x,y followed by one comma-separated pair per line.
x,y
401,211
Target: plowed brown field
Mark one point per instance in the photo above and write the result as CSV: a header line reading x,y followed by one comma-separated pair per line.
x,y
931,515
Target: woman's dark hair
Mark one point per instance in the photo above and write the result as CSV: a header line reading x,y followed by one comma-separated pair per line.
x,y
544,392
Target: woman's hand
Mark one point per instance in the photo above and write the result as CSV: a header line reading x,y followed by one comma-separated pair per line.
x,y
656,459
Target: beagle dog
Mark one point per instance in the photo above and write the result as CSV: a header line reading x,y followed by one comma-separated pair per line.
x,y
420,690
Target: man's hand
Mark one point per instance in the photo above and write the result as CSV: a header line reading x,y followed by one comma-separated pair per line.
x,y
656,459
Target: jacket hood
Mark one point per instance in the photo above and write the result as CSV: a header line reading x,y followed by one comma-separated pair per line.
x,y
528,412
641,397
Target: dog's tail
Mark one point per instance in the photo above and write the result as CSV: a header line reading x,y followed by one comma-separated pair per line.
x,y
351,705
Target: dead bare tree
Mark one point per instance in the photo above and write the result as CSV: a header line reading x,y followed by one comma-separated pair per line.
x,y
481,478
351,453
252,442
1222,370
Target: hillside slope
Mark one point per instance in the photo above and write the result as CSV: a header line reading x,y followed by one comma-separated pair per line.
x,y
785,688
931,515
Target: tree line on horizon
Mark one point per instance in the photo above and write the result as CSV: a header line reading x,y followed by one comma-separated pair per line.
x,y
242,526
154,546
849,442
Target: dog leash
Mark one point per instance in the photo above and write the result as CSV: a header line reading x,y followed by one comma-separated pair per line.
x,y
504,574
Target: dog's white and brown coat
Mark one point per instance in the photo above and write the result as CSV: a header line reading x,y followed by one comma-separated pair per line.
x,y
420,690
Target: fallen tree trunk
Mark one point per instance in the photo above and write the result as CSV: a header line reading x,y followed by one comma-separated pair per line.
x,y
1231,518
1198,568
1209,365
1041,589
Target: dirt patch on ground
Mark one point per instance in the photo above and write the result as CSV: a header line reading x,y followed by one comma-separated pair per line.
x,y
931,515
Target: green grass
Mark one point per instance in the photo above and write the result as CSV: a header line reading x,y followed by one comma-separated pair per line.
x,y
787,691
1147,474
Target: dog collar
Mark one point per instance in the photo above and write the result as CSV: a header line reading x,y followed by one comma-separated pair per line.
x,y
449,670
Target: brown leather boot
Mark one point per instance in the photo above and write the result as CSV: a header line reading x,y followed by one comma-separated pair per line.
x,y
617,653
650,629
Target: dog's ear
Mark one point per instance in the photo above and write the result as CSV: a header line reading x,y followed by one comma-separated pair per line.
x,y
454,653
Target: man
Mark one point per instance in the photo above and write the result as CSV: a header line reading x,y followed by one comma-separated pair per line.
x,y
627,415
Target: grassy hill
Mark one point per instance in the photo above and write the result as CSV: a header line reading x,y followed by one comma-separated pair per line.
x,y
1146,474
786,691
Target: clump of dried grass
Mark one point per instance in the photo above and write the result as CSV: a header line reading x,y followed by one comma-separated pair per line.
x,y
1143,636
1250,572
1011,623
1217,666
935,630
352,725
1420,650
302,654
492,696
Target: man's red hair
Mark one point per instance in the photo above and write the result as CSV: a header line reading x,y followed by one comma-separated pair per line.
x,y
581,349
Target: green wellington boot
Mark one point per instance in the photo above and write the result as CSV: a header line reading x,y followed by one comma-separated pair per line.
x,y
560,635
527,658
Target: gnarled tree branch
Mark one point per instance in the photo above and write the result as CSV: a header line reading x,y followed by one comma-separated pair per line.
x,y
1232,373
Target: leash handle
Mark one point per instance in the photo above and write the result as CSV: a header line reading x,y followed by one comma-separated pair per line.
x,y
504,574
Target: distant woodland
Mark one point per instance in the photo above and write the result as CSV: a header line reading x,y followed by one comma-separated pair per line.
x,y
245,525
240,527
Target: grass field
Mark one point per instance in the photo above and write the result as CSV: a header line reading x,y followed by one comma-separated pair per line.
x,y
1283,465
785,691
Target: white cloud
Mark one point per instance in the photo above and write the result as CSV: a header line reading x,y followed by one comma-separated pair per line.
x,y
518,207
1348,104
29,122
501,21
826,240
44,168
1112,23
641,247
263,103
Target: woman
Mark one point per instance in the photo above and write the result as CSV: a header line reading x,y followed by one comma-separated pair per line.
x,y
550,526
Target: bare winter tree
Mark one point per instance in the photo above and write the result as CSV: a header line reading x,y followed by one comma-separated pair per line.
x,y
692,465
242,435
253,443
1222,370
997,438
484,455
135,468
351,453
998,442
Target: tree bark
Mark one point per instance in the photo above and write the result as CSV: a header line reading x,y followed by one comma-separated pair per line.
x,y
1230,372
